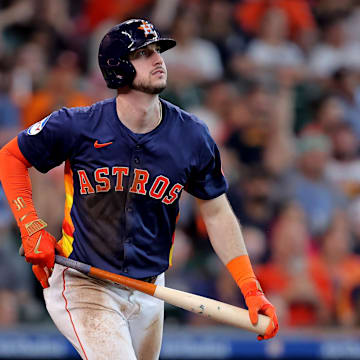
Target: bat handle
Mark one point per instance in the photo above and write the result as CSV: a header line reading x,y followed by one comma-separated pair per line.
x,y
61,260
77,265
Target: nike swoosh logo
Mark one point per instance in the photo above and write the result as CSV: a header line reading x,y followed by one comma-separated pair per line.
x,y
36,249
97,145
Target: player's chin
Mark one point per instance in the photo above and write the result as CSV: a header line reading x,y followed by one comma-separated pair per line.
x,y
152,87
157,87
159,81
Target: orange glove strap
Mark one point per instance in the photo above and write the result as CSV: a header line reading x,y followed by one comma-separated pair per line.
x,y
17,185
251,288
42,275
241,270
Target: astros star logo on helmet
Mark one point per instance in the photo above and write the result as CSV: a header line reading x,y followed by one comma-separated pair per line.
x,y
148,28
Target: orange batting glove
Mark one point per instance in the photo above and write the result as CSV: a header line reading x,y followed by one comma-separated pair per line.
x,y
241,270
42,274
39,245
39,248
257,303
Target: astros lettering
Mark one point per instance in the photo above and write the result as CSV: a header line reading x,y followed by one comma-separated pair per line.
x,y
140,184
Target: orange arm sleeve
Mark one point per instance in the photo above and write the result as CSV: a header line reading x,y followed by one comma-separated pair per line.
x,y
16,182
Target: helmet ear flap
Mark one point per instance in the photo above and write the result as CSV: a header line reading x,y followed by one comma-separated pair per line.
x,y
118,73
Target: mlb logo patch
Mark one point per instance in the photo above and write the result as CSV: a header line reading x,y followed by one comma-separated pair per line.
x,y
37,127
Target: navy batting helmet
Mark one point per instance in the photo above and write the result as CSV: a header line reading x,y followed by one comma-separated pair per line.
x,y
119,42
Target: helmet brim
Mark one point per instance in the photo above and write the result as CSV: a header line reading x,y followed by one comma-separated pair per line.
x,y
164,43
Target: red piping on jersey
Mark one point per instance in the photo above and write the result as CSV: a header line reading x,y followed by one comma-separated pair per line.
x,y
72,323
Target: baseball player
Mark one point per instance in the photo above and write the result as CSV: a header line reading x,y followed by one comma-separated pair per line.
x,y
127,161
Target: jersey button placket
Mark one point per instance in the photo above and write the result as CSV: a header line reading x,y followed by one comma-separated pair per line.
x,y
137,160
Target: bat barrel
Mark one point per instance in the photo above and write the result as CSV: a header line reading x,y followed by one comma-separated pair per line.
x,y
212,309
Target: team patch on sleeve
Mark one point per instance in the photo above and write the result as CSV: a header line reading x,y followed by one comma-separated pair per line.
x,y
37,127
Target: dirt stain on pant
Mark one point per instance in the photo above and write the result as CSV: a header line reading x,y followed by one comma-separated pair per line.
x,y
88,316
151,343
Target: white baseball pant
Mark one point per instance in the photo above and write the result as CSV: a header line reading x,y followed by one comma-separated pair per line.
x,y
103,320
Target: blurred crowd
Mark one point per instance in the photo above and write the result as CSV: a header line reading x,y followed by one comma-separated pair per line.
x,y
278,84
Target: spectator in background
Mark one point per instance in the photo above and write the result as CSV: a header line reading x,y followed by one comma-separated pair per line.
x,y
249,119
271,53
214,110
327,9
335,51
96,12
29,72
353,216
294,278
308,186
352,25
37,42
252,200
194,61
355,304
14,12
220,28
60,90
9,111
302,25
260,127
346,86
343,169
256,244
96,90
327,115
343,267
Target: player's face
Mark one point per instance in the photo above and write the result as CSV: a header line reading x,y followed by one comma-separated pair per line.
x,y
151,73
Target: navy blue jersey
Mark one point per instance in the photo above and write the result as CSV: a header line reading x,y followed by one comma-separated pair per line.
x,y
122,189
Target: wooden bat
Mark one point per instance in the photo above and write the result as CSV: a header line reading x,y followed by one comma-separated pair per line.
x,y
212,309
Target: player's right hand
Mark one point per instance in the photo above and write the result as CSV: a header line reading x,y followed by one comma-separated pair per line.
x,y
257,303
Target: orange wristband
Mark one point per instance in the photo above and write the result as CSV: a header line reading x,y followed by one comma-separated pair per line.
x,y
241,270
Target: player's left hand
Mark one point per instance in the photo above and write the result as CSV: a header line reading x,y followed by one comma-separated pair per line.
x,y
257,303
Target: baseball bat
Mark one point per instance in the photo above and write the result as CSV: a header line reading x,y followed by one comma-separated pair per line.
x,y
212,309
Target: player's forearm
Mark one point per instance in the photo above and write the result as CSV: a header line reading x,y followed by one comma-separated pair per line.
x,y
223,229
16,182
226,237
